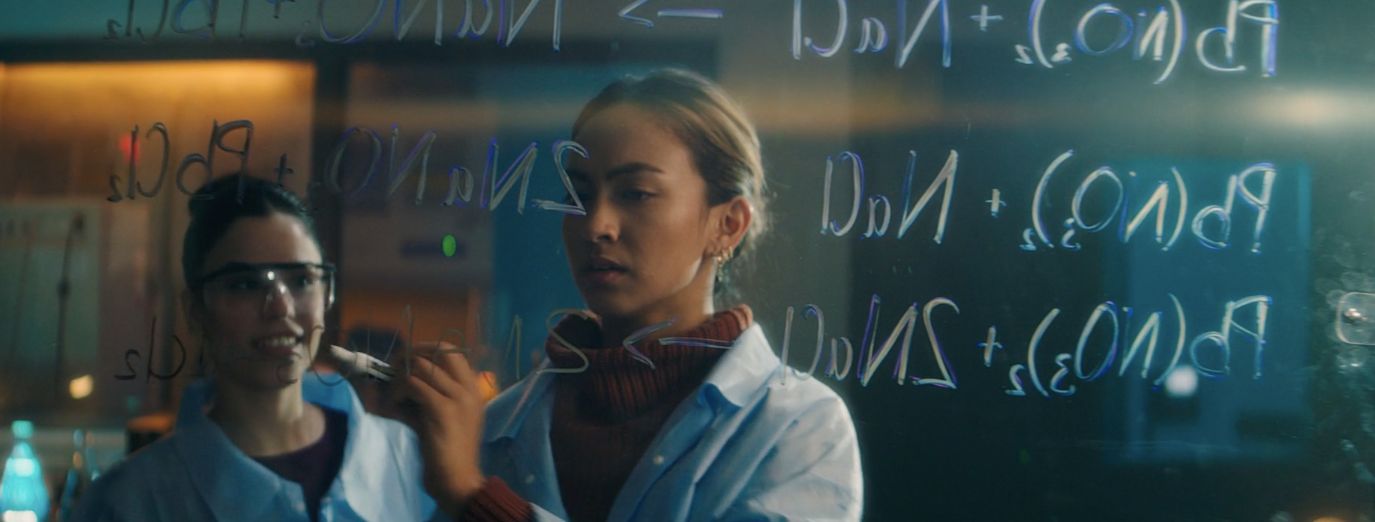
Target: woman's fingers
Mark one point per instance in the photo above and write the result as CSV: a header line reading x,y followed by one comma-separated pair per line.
x,y
401,358
452,361
446,411
423,393
436,377
432,350
445,380
456,365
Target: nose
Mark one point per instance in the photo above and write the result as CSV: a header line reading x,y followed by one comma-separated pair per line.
x,y
277,301
602,223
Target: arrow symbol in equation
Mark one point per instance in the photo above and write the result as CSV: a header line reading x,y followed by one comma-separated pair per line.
x,y
698,13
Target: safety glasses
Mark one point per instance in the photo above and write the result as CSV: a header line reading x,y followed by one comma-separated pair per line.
x,y
243,287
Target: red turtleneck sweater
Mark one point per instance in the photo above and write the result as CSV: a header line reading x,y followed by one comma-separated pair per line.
x,y
605,418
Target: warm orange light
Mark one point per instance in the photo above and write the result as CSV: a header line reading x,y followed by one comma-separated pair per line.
x,y
81,115
1329,519
111,98
487,385
81,387
229,76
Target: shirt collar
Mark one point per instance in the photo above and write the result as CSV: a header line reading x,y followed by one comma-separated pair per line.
x,y
221,473
225,476
507,412
744,368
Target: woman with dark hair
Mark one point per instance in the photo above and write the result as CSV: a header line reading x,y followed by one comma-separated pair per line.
x,y
261,440
653,405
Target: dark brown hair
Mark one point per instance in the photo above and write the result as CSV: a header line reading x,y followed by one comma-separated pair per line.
x,y
220,203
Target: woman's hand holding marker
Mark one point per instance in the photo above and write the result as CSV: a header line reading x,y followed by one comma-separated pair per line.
x,y
446,414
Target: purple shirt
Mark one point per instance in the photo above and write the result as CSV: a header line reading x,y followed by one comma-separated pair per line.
x,y
315,466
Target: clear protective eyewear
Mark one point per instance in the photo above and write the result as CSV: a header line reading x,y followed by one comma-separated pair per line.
x,y
244,286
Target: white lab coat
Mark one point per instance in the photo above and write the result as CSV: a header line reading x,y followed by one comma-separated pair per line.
x,y
196,473
757,441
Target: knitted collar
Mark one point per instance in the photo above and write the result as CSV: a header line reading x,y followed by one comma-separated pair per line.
x,y
619,385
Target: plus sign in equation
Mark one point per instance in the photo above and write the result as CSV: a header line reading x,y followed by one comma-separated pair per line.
x,y
1051,34
1154,345
1070,202
1223,36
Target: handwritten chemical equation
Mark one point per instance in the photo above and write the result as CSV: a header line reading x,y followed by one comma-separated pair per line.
x,y
1100,203
1132,346
1039,34
1133,338
1110,337
1211,225
464,188
1255,195
1154,34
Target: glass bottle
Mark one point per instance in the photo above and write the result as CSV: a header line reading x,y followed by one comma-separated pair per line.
x,y
23,494
80,474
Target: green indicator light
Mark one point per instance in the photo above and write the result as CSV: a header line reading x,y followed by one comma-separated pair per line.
x,y
450,245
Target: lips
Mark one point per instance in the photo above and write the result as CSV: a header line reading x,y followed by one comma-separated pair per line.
x,y
277,345
603,271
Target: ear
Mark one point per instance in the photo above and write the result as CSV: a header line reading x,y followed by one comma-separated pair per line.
x,y
732,221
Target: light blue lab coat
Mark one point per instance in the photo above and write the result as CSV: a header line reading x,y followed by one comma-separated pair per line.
x,y
755,441
196,473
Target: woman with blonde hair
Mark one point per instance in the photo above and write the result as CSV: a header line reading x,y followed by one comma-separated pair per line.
x,y
653,405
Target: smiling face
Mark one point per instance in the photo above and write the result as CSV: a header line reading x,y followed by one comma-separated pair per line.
x,y
642,253
262,339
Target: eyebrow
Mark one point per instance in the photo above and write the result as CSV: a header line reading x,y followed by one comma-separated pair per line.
x,y
619,170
